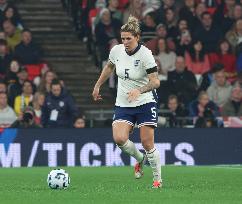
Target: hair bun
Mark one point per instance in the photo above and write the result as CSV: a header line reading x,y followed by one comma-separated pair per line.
x,y
132,26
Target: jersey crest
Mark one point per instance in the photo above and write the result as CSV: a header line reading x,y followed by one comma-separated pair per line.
x,y
136,63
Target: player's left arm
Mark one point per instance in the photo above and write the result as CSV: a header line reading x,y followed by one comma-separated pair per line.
x,y
153,83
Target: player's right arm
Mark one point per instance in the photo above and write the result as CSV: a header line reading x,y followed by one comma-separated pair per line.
x,y
107,71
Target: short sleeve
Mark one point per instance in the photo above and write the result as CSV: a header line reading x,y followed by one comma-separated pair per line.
x,y
149,60
112,55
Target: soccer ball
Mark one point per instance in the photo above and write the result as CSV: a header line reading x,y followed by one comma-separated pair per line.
x,y
58,179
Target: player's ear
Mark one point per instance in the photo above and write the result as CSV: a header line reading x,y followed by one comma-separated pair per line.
x,y
138,38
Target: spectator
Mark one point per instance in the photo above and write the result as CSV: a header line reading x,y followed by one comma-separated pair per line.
x,y
237,12
80,122
3,6
23,100
123,4
59,109
5,58
37,103
15,88
113,8
208,120
211,5
46,80
183,42
188,13
26,120
27,52
200,8
209,34
166,58
181,27
161,32
239,57
134,8
238,81
220,90
171,4
234,35
225,56
148,27
106,31
233,107
3,87
202,104
207,78
93,14
11,75
13,34
223,15
182,82
196,60
171,21
150,5
2,35
168,4
11,13
176,113
7,115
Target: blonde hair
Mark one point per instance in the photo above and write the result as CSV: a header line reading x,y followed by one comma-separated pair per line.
x,y
132,26
42,87
36,98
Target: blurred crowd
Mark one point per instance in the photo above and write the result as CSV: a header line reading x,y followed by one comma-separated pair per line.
x,y
31,94
197,45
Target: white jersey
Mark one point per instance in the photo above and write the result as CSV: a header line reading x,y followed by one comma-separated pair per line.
x,y
131,72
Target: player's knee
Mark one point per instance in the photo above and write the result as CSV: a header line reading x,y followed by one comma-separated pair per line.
x,y
120,141
147,145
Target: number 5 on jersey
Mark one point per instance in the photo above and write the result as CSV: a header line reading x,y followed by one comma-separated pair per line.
x,y
126,76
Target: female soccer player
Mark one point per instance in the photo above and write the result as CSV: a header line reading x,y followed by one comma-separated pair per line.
x,y
135,102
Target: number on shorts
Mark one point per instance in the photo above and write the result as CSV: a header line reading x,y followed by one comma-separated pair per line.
x,y
153,110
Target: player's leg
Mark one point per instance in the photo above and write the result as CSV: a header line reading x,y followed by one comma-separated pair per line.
x,y
121,132
153,155
147,121
123,123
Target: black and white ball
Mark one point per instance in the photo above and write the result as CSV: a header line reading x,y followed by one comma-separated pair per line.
x,y
58,179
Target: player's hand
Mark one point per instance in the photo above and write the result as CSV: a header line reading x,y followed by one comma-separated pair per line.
x,y
95,94
133,95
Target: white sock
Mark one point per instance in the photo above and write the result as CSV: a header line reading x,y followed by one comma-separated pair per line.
x,y
130,149
153,156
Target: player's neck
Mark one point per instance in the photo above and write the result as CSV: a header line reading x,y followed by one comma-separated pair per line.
x,y
133,51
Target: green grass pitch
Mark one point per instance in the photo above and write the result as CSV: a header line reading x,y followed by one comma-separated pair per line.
x,y
182,184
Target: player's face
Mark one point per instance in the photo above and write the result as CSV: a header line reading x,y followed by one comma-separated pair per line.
x,y
130,42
